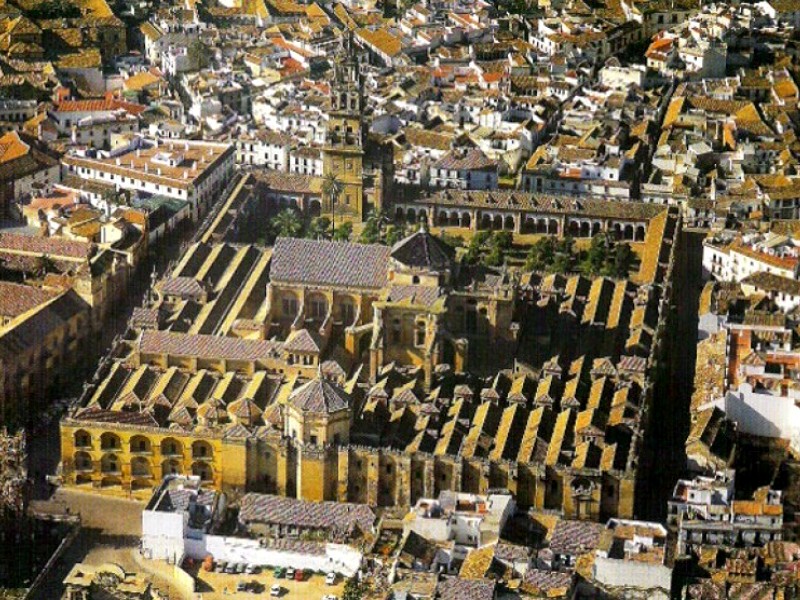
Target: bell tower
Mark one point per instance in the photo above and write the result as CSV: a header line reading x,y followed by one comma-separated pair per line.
x,y
343,154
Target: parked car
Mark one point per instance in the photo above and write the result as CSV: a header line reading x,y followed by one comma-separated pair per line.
x,y
330,578
220,566
240,568
242,586
279,573
275,590
251,569
299,575
330,597
290,573
230,569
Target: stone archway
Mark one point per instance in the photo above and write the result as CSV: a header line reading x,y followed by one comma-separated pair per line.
x,y
203,471
202,449
627,233
140,467
171,467
110,441
83,439
171,447
140,443
83,461
110,463
574,229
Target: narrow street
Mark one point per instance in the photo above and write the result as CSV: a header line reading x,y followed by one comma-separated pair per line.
x,y
43,434
663,458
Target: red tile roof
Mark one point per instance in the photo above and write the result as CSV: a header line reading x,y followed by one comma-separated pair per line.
x,y
53,247
99,105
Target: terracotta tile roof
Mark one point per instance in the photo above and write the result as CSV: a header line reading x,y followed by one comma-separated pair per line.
x,y
98,106
414,294
16,299
53,247
290,182
319,396
541,582
183,287
329,263
575,537
514,200
454,588
473,160
98,415
12,147
423,250
205,346
142,80
382,40
774,261
302,340
773,283
277,510
417,136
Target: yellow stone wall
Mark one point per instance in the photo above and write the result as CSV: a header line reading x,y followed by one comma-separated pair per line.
x,y
109,454
354,474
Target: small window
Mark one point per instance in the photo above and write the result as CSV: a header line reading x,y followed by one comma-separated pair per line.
x,y
419,335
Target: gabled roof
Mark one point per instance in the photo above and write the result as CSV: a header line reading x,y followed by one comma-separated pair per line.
x,y
329,263
302,340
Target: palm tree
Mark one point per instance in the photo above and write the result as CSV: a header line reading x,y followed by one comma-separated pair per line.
x,y
318,228
287,224
332,188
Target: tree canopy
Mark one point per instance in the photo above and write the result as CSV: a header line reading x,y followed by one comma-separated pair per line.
x,y
605,256
287,223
